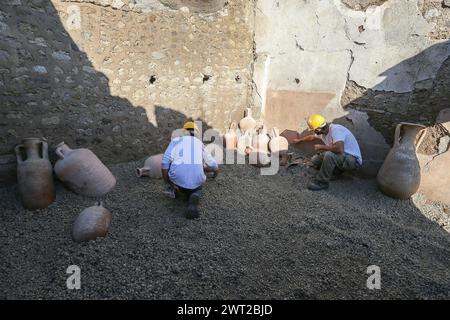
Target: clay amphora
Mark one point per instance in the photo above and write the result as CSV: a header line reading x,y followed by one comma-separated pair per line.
x,y
399,176
258,158
152,167
247,123
91,223
83,172
34,174
278,143
244,143
261,140
230,137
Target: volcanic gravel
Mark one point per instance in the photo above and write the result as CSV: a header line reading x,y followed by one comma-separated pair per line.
x,y
258,237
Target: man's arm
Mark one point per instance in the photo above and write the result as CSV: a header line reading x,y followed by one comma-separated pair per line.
x,y
337,147
165,175
166,161
310,137
210,162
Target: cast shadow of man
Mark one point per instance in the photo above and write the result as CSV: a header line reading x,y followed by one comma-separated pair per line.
x,y
50,88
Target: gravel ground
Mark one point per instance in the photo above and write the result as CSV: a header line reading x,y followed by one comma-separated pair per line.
x,y
259,237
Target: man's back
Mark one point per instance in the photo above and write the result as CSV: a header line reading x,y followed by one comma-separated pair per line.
x,y
184,159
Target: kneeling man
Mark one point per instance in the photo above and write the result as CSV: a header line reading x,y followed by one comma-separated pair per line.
x,y
339,154
183,168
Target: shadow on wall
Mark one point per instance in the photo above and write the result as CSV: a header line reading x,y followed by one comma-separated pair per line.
x,y
49,88
421,103
383,110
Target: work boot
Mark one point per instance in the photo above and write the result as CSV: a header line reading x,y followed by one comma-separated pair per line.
x,y
316,185
192,209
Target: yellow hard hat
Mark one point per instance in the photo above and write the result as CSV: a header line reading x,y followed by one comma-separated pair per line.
x,y
190,125
316,121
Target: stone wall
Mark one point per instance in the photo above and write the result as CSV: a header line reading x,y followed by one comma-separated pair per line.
x,y
117,76
367,64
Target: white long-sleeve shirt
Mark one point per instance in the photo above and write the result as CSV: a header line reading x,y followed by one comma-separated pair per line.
x,y
184,158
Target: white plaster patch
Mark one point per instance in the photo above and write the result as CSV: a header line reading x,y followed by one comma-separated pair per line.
x,y
311,41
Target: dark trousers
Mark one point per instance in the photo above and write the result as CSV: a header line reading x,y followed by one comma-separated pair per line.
x,y
186,193
329,162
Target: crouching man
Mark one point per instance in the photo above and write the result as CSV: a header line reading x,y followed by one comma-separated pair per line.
x,y
339,154
184,164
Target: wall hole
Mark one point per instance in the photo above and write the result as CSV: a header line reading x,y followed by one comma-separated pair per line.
x,y
206,78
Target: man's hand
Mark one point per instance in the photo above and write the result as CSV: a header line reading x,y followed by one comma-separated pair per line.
x,y
307,138
337,147
213,174
318,147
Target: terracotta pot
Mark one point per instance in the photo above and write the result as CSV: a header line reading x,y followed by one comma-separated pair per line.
x,y
261,140
247,123
399,176
278,143
152,167
82,172
34,174
231,137
91,223
8,168
258,158
244,143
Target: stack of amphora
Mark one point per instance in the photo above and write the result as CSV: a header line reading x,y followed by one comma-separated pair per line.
x,y
34,174
80,170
